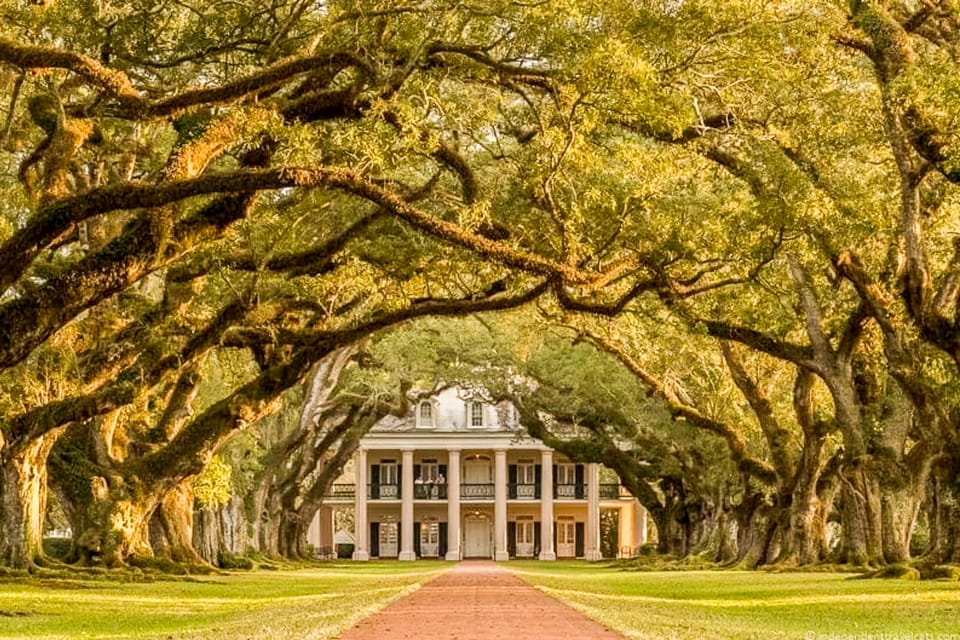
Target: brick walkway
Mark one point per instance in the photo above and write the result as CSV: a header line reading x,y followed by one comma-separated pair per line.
x,y
477,600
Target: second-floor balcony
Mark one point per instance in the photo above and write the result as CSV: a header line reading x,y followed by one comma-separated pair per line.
x,y
476,491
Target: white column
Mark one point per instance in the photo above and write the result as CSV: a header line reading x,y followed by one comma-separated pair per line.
x,y
361,548
546,506
592,533
500,506
406,507
639,524
453,504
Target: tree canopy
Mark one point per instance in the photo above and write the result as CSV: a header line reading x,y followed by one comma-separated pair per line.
x,y
747,210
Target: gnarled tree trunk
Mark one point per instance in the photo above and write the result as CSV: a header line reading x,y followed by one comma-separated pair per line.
x,y
23,501
944,513
175,518
860,516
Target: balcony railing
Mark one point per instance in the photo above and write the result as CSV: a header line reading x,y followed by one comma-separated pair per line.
x,y
342,491
476,491
523,491
430,491
383,491
570,491
614,491
485,491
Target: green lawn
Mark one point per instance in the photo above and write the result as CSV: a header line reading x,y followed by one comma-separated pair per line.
x,y
314,603
743,604
322,601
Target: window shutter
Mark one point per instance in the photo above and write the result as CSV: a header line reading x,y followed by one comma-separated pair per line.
x,y
578,489
443,540
512,539
442,470
512,475
416,538
554,483
578,539
399,480
536,538
374,481
554,537
375,539
538,475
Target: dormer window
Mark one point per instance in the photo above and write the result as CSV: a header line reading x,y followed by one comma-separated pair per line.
x,y
425,415
476,415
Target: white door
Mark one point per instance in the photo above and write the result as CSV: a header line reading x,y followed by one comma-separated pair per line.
x,y
476,536
388,539
524,538
566,539
429,540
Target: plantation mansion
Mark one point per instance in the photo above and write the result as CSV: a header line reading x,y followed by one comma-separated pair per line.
x,y
459,478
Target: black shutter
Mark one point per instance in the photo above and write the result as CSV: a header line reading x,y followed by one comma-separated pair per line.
x,y
554,483
443,540
578,489
536,539
374,539
374,482
512,475
419,490
399,480
512,539
578,540
442,470
538,478
554,537
416,538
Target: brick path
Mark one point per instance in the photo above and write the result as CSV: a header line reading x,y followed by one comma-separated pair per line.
x,y
477,600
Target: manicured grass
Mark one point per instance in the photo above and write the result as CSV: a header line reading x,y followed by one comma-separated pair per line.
x,y
317,602
747,604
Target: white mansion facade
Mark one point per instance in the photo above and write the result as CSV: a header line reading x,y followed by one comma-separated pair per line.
x,y
459,478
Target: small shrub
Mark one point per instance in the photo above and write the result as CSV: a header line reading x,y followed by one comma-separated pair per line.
x,y
163,565
58,548
228,560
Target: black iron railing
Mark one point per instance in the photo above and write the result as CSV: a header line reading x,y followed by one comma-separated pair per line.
x,y
342,491
477,491
613,491
430,491
570,491
383,491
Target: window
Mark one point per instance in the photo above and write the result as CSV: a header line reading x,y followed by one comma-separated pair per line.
x,y
476,414
429,470
526,472
524,530
566,531
388,472
565,484
425,414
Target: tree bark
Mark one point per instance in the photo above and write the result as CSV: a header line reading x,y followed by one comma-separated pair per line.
x,y
23,501
944,513
860,516
175,516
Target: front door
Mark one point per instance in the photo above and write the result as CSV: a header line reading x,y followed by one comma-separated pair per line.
x,y
476,538
388,539
429,539
566,539
524,541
